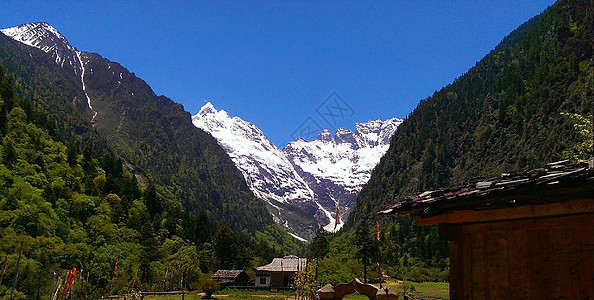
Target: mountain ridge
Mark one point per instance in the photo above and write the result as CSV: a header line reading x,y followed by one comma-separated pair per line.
x,y
102,97
503,114
298,197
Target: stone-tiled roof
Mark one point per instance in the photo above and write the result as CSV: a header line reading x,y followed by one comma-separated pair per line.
x,y
220,274
290,263
555,183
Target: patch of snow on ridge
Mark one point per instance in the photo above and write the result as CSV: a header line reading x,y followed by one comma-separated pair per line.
x,y
84,88
332,226
298,237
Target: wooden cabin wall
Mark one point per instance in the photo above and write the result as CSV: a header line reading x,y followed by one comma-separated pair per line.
x,y
545,258
282,279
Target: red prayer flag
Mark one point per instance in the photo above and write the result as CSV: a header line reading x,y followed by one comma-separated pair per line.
x,y
377,230
71,281
337,220
68,284
115,268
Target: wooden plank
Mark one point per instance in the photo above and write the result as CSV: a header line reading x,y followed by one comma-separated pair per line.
x,y
497,263
519,269
455,270
578,206
584,266
547,258
564,240
449,232
486,267
478,267
536,223
542,263
467,265
547,254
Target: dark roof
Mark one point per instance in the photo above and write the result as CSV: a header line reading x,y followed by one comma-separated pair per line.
x,y
290,263
226,274
555,183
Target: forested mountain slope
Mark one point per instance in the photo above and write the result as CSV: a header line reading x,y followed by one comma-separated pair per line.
x,y
504,114
94,102
63,209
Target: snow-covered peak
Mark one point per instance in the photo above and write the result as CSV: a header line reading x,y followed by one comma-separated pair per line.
x,y
266,168
345,136
325,135
343,131
245,142
348,158
39,35
377,132
207,108
320,177
48,39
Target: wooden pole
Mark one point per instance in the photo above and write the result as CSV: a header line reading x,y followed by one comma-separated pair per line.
x,y
53,284
68,278
134,280
165,279
181,280
16,274
4,268
115,268
58,286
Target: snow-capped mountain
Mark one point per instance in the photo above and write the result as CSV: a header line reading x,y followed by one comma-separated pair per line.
x,y
48,39
266,168
264,165
306,181
301,184
45,37
336,168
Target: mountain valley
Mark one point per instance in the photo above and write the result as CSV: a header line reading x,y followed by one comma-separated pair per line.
x,y
304,183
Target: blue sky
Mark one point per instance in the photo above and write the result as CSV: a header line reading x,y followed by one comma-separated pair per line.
x,y
274,63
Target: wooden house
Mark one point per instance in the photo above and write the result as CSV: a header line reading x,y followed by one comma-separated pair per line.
x,y
280,273
526,236
227,278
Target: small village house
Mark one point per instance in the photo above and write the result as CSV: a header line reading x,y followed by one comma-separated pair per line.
x,y
227,278
527,236
280,273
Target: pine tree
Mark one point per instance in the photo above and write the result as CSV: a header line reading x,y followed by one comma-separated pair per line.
x,y
367,248
319,247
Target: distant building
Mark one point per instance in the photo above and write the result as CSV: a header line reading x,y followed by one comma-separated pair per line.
x,y
280,273
527,236
227,278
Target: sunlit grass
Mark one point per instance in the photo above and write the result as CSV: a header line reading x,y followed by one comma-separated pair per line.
x,y
232,294
429,289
